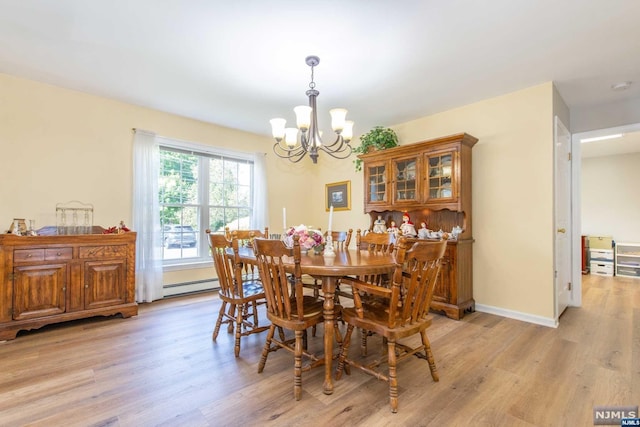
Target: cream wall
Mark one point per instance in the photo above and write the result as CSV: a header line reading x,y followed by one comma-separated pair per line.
x,y
512,195
59,145
610,203
330,170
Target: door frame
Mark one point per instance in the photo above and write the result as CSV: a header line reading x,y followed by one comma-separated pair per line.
x,y
576,223
576,202
563,252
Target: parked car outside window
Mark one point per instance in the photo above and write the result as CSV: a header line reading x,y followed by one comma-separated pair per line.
x,y
179,236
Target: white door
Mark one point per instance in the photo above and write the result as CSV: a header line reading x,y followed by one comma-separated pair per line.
x,y
562,139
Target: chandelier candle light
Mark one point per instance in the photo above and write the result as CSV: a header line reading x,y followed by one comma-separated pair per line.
x,y
307,124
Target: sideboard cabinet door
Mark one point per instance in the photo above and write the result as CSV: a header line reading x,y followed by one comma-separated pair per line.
x,y
104,283
39,291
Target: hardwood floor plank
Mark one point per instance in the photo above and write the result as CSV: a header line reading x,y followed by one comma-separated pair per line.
x,y
162,368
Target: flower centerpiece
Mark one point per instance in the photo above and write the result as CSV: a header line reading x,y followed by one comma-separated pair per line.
x,y
309,238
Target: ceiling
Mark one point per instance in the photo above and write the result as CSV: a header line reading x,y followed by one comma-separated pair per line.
x,y
239,63
629,142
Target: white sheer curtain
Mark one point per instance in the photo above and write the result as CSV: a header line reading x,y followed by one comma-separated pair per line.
x,y
146,216
260,217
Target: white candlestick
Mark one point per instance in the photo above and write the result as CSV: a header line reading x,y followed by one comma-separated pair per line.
x,y
284,218
330,218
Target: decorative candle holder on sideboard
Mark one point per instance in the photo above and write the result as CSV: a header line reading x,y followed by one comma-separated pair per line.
x,y
431,181
74,217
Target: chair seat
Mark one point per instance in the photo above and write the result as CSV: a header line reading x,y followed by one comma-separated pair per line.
x,y
312,306
377,321
312,311
250,291
252,288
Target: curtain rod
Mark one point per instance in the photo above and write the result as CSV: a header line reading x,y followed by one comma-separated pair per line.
x,y
134,130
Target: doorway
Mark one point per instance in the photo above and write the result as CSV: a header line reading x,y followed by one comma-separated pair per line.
x,y
624,146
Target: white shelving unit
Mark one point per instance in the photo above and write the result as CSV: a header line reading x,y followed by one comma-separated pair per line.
x,y
628,260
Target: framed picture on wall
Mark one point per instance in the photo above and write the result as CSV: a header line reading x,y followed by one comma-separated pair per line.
x,y
338,195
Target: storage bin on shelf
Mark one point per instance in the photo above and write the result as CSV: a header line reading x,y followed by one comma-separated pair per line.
x,y
600,242
602,268
601,257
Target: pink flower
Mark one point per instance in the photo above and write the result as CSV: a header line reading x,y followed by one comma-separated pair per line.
x,y
308,238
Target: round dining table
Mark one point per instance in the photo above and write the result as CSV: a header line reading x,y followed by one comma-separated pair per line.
x,y
329,270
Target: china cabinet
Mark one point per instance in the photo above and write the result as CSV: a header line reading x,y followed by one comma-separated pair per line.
x,y
431,181
50,279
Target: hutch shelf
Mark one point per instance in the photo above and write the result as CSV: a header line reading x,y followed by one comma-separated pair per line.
x,y
51,279
431,181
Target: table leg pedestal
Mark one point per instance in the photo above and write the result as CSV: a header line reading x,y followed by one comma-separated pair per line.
x,y
328,290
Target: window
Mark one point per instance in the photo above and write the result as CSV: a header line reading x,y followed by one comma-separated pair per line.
x,y
199,190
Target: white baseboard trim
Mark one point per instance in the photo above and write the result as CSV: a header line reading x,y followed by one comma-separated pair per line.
x,y
517,315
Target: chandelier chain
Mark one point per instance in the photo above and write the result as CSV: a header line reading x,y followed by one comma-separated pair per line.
x,y
312,84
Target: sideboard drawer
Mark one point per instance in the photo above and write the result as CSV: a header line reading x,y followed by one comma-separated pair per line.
x,y
58,253
107,251
28,255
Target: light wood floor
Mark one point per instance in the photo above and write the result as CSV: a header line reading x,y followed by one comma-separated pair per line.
x,y
161,368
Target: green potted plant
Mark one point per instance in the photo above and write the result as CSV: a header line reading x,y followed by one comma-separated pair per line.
x,y
378,138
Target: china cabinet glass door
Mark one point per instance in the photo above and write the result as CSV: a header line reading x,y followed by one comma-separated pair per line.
x,y
376,183
441,176
405,180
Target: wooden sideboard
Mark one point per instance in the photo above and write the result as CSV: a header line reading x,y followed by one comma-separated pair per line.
x,y
51,279
431,181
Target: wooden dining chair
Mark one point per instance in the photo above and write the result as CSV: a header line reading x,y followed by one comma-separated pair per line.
x,y
374,242
287,306
240,298
245,238
405,314
340,239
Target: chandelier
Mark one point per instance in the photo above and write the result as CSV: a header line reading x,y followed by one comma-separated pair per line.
x,y
287,144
